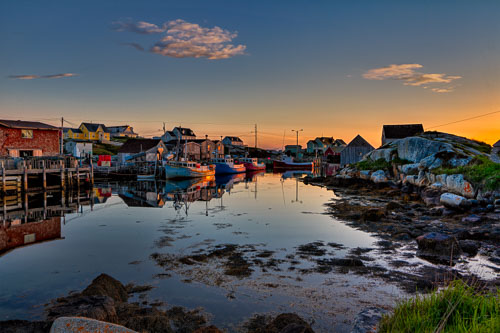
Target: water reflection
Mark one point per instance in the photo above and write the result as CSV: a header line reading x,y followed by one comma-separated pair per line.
x,y
37,217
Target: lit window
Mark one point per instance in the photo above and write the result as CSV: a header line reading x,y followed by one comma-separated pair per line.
x,y
27,134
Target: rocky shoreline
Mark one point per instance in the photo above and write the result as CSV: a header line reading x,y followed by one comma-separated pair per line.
x,y
400,214
107,301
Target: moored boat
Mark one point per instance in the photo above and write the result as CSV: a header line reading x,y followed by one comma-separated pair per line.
x,y
226,165
287,163
252,164
187,169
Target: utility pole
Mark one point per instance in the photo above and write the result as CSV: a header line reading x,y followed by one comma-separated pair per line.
x,y
255,136
255,132
61,149
164,131
297,146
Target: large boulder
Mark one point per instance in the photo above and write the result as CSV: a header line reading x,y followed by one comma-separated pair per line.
x,y
416,148
96,307
77,324
454,201
457,184
288,323
105,285
430,162
411,168
378,177
437,247
385,153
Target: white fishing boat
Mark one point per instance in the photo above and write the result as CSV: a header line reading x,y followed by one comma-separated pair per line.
x,y
187,169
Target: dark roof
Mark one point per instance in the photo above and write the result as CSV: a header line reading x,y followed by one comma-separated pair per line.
x,y
74,130
134,146
339,142
326,140
358,141
233,138
92,127
497,144
27,124
402,131
185,131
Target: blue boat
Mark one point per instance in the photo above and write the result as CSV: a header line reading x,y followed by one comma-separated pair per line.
x,y
226,165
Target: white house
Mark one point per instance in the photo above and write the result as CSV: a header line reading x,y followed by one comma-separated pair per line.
x,y
78,149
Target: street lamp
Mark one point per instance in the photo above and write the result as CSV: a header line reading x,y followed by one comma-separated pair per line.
x,y
297,146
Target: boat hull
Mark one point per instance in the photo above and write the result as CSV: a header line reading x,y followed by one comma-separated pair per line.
x,y
178,172
224,169
254,167
277,165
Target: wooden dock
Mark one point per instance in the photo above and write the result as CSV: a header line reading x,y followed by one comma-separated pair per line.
x,y
41,174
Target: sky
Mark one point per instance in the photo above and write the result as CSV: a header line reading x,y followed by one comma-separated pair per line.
x,y
330,68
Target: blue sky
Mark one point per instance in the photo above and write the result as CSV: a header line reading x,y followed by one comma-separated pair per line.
x,y
305,65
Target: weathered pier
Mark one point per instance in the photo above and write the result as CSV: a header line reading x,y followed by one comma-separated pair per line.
x,y
43,173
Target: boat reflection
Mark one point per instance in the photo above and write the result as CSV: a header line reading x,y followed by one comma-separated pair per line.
x,y
37,217
178,192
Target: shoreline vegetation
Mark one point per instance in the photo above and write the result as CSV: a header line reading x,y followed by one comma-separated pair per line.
x,y
457,308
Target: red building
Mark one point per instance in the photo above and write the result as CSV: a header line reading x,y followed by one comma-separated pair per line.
x,y
28,138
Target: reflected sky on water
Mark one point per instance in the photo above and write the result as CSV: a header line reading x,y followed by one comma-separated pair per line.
x,y
128,222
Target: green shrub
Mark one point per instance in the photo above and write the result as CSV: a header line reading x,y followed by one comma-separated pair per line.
x,y
380,164
458,308
481,171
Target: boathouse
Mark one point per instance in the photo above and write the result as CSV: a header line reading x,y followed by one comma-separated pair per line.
x,y
149,150
28,138
396,132
355,150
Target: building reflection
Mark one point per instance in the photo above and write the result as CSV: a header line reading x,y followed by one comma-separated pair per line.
x,y
37,217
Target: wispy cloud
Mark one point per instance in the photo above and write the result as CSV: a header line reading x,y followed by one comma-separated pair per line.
x,y
32,77
411,77
135,46
183,39
139,27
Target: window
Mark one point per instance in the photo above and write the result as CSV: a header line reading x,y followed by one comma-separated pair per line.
x,y
27,134
25,153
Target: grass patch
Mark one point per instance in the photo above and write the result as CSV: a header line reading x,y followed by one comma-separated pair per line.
x,y
380,164
104,149
122,140
481,171
458,308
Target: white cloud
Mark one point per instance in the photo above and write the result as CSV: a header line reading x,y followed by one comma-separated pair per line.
x,y
140,27
410,76
183,39
442,90
51,76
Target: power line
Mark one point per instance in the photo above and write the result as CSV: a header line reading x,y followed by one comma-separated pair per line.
x,y
459,121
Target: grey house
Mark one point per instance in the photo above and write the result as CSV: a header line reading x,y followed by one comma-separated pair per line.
x,y
396,132
496,148
355,150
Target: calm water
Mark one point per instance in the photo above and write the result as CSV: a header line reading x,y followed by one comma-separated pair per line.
x,y
128,222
